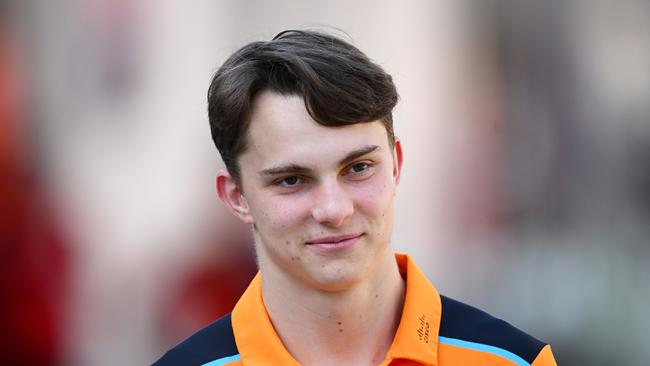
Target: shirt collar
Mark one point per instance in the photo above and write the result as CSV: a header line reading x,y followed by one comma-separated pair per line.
x,y
416,338
257,341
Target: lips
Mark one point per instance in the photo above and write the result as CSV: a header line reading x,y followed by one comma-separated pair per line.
x,y
334,243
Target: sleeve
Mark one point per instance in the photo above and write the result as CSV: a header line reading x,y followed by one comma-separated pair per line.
x,y
545,357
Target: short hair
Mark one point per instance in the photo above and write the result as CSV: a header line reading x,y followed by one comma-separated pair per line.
x,y
339,84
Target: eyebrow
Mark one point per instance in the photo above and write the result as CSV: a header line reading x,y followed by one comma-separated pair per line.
x,y
298,169
358,153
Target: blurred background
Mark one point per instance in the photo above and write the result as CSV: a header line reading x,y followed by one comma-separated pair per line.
x,y
525,191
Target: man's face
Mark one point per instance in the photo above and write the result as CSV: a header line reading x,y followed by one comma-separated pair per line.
x,y
320,198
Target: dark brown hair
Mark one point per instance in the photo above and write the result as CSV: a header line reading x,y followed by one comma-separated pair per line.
x,y
339,84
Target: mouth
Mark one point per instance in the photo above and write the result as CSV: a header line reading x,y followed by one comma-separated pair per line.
x,y
334,243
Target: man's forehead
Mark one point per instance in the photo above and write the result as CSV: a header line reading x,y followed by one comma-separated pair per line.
x,y
281,127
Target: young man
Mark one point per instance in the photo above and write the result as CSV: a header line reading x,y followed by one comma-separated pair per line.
x,y
304,125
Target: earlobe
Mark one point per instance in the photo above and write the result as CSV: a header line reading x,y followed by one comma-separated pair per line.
x,y
398,159
231,195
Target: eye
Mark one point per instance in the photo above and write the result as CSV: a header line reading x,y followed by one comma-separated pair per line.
x,y
359,167
288,181
360,170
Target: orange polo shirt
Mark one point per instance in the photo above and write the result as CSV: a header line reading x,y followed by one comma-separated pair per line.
x,y
433,330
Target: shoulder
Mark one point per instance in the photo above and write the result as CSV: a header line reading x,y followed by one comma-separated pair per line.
x,y
215,341
466,326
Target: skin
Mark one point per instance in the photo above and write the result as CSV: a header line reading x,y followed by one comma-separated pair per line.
x,y
320,201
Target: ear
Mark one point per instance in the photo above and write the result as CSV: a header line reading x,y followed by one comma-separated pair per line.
x,y
231,195
398,159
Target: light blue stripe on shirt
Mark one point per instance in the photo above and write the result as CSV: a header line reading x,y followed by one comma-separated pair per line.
x,y
222,361
484,348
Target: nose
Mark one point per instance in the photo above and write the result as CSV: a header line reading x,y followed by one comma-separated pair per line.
x,y
332,204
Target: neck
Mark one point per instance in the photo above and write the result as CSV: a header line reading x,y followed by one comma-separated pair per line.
x,y
352,326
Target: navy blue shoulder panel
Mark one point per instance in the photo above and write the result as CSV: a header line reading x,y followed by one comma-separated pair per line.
x,y
208,344
467,323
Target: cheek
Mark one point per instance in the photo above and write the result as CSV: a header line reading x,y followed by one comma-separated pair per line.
x,y
280,214
375,198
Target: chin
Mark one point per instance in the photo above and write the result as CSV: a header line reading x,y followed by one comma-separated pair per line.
x,y
336,279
